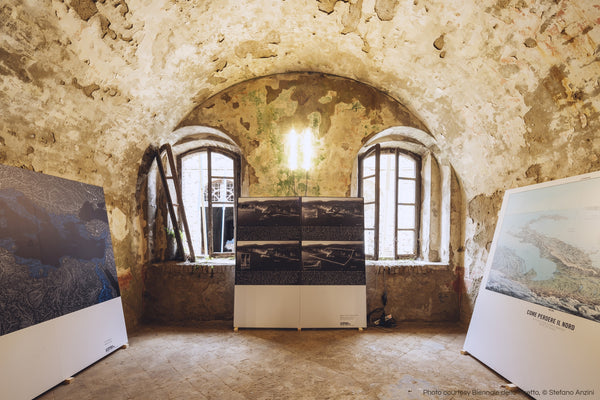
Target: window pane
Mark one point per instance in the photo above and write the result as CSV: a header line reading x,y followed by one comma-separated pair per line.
x,y
222,229
368,189
406,191
369,242
222,190
387,205
406,242
406,217
386,243
369,216
369,165
407,167
221,165
194,179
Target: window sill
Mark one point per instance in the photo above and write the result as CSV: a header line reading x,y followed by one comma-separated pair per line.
x,y
399,266
221,265
210,266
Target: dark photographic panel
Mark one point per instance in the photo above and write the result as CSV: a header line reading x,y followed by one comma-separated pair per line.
x,y
54,240
268,233
249,277
333,256
333,277
332,211
333,233
268,256
268,211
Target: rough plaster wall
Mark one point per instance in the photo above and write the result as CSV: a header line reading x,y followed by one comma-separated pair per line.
x,y
509,88
341,113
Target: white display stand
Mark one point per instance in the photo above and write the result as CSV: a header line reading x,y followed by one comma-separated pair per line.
x,y
37,358
266,306
529,338
298,306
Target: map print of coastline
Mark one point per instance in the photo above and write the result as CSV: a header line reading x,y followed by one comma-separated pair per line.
x,y
55,248
548,249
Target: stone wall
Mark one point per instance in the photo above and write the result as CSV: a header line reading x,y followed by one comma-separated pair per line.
x,y
508,89
187,294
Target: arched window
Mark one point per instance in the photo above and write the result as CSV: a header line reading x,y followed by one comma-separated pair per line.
x,y
209,171
209,183
408,191
389,182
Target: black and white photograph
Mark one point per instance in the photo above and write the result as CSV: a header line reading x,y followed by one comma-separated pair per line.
x,y
269,211
332,211
268,256
268,263
267,219
332,256
332,219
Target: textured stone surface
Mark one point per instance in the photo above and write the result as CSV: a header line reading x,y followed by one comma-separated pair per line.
x,y
184,294
341,113
512,98
414,292
212,362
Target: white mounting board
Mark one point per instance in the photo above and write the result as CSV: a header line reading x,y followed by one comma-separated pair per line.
x,y
37,358
300,306
328,306
536,345
266,306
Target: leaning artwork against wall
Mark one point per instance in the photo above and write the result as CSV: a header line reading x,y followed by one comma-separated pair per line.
x,y
536,319
57,270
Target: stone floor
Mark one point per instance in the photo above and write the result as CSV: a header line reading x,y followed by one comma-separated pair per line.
x,y
213,362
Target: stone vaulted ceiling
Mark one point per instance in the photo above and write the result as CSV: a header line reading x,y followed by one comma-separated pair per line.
x,y
508,88
499,80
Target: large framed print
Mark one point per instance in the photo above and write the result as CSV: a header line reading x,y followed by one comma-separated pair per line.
x,y
537,316
59,292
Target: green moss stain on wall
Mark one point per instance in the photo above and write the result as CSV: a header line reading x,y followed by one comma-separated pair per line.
x,y
341,113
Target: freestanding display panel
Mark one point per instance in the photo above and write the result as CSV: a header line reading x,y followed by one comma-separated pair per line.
x,y
60,304
300,263
537,316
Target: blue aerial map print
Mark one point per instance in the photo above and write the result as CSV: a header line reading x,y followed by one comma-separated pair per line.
x,y
548,251
55,248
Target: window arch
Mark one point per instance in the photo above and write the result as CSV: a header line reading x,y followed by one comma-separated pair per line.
x,y
408,192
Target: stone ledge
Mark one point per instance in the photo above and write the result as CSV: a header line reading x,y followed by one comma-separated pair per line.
x,y
213,266
407,266
218,266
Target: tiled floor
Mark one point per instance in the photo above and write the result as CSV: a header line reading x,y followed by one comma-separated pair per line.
x,y
213,362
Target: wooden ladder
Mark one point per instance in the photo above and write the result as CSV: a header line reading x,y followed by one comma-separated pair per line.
x,y
174,176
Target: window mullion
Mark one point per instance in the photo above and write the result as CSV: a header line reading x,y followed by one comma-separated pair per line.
x,y
418,183
377,204
396,168
209,217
